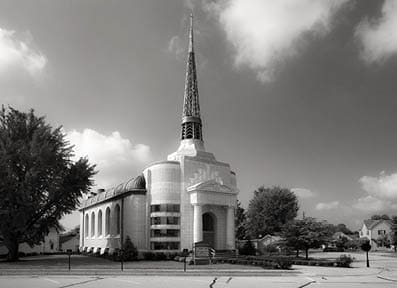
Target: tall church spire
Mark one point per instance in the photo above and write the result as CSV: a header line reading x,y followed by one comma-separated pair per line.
x,y
191,120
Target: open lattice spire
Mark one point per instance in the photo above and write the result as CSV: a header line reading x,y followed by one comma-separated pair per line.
x,y
191,120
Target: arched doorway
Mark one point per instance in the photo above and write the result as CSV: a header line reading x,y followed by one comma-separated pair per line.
x,y
209,228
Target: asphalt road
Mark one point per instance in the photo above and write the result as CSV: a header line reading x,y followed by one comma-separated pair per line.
x,y
191,282
383,273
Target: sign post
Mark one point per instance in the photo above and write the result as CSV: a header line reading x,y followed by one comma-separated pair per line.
x,y
69,251
185,253
121,255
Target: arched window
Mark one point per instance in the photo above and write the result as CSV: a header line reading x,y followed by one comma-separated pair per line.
x,y
92,224
107,221
86,225
117,217
100,223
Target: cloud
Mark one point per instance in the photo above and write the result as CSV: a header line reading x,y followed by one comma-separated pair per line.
x,y
117,158
373,204
303,193
327,205
383,187
177,47
265,34
381,193
378,36
18,54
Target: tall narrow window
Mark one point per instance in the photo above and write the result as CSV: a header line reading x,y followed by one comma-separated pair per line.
x,y
107,221
86,225
100,223
117,214
92,224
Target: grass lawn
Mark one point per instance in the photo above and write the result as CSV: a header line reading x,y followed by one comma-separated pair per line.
x,y
90,262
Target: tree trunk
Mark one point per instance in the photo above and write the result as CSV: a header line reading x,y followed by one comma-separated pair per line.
x,y
12,246
297,253
307,254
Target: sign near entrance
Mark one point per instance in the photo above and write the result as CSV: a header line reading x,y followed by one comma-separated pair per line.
x,y
201,252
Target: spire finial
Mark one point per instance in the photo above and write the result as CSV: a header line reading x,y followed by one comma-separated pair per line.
x,y
191,33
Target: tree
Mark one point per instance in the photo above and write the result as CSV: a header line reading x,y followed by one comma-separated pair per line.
x,y
269,210
341,243
366,246
303,234
248,248
380,217
240,222
39,181
393,233
343,228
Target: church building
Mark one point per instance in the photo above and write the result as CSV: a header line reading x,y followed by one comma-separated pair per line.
x,y
188,198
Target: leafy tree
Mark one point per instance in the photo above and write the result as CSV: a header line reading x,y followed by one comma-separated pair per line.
x,y
130,251
240,222
248,248
269,210
341,243
393,233
343,228
380,217
383,241
366,246
303,234
39,181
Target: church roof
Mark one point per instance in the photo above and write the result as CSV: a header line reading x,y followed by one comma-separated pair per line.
x,y
137,185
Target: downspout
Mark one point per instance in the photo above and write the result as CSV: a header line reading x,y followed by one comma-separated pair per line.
x,y
122,224
82,235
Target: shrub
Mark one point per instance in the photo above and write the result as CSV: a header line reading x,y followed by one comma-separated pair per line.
x,y
148,255
160,256
248,248
344,261
284,263
130,251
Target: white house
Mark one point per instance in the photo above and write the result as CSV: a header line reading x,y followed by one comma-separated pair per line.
x,y
375,229
49,245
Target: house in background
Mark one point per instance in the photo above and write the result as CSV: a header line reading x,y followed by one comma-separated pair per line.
x,y
70,240
48,246
262,243
375,231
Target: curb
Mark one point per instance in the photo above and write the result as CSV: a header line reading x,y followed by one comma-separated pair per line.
x,y
150,272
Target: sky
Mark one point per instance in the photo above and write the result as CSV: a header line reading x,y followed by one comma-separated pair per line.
x,y
296,93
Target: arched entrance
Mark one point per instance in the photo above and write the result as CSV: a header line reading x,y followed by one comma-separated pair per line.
x,y
209,228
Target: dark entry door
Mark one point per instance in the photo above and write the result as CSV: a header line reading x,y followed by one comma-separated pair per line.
x,y
209,229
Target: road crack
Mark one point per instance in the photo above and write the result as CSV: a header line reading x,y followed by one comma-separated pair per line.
x,y
82,282
213,282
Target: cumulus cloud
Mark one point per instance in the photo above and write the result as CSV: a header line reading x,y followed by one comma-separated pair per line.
x,y
378,36
381,193
383,187
265,34
19,54
373,204
303,193
327,205
177,47
117,158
